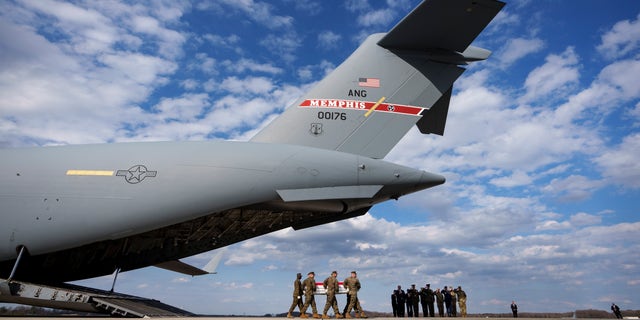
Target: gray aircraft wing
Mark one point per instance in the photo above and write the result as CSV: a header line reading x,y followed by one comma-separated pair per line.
x,y
450,25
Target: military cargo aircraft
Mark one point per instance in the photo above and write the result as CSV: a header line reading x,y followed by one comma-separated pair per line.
x,y
80,211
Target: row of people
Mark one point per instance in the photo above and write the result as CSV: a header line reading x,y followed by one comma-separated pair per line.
x,y
445,300
331,286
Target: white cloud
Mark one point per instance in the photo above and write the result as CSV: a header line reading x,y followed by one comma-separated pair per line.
x,y
356,5
260,12
220,41
248,85
142,69
282,45
328,39
89,30
170,41
613,85
305,73
205,64
310,7
518,48
181,280
622,39
184,108
243,65
88,79
381,17
584,219
518,178
620,75
553,225
553,78
502,21
189,84
620,164
572,188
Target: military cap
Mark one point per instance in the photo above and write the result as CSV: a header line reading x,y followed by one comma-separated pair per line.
x,y
311,272
332,272
354,272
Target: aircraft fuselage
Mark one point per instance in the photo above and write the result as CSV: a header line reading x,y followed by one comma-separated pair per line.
x,y
69,196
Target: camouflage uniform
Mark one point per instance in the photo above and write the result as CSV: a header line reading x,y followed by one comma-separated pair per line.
x,y
331,285
309,287
352,284
440,302
297,295
462,301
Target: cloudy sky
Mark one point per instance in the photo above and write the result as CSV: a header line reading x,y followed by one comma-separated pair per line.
x,y
540,152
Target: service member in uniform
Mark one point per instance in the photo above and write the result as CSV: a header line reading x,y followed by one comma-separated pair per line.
x,y
413,299
440,302
394,301
309,287
352,284
297,295
331,285
616,310
447,300
357,307
426,299
462,301
454,302
402,299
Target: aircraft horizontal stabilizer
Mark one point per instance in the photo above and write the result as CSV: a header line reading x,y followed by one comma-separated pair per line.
x,y
326,193
181,267
450,25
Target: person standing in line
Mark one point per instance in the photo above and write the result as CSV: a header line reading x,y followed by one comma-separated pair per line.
x,y
439,302
297,296
454,302
309,287
616,311
426,299
462,301
514,309
401,299
331,285
413,300
352,284
447,300
394,303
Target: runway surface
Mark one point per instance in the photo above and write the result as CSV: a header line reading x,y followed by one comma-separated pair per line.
x,y
272,318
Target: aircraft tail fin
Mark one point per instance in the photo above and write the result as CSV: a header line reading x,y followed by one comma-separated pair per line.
x,y
390,83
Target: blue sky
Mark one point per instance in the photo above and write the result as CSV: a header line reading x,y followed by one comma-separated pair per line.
x,y
540,150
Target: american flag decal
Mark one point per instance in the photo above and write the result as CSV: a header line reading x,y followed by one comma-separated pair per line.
x,y
369,82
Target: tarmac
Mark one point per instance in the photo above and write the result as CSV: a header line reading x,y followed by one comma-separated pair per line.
x,y
272,318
